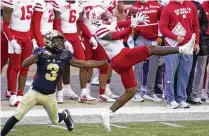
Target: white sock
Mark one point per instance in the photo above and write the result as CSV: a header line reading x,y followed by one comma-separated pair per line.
x,y
88,85
107,86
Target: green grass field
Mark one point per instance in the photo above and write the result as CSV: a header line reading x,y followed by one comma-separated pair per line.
x,y
187,128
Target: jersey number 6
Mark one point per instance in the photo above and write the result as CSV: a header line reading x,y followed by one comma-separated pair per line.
x,y
72,17
53,68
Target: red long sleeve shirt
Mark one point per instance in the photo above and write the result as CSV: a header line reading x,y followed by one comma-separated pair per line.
x,y
153,10
179,19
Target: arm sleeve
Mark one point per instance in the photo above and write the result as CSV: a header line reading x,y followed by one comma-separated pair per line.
x,y
6,28
195,25
121,35
83,28
37,27
124,24
103,31
7,31
164,21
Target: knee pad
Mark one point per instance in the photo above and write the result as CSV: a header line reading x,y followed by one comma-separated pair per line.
x,y
103,70
24,71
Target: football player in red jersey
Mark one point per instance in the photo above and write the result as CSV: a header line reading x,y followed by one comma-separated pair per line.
x,y
122,59
17,27
68,17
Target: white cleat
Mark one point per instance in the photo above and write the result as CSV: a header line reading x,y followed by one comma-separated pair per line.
x,y
13,101
69,93
28,82
19,98
188,48
106,119
84,96
109,93
105,98
60,97
152,98
95,80
137,98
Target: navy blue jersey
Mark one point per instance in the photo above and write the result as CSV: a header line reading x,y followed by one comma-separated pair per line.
x,y
49,71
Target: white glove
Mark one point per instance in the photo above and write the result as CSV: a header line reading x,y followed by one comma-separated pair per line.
x,y
68,46
16,46
140,18
93,41
35,45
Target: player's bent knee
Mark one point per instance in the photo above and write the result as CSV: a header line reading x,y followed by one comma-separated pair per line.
x,y
103,70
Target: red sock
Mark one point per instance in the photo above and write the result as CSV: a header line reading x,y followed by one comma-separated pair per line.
x,y
88,81
66,83
19,93
101,91
108,81
34,77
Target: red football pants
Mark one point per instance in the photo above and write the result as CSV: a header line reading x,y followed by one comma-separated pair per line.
x,y
16,62
4,51
123,62
98,54
73,38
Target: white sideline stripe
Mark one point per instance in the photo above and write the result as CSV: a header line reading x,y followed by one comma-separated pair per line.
x,y
118,126
123,110
57,126
170,124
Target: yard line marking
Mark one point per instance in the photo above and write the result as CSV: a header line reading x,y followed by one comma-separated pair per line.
x,y
57,126
118,126
170,124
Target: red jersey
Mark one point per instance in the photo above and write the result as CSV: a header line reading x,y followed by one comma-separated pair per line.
x,y
205,6
153,10
179,19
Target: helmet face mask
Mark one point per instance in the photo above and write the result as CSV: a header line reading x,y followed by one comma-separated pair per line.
x,y
54,41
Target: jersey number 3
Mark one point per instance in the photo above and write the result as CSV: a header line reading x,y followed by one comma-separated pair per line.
x,y
53,68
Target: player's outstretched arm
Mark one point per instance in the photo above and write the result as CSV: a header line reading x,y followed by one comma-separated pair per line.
x,y
88,64
30,61
117,35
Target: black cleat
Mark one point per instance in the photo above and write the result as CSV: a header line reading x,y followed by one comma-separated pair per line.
x,y
68,121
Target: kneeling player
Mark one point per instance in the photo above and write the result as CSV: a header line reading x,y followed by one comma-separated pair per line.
x,y
50,64
123,59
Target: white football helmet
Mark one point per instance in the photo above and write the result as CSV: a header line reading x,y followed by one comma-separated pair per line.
x,y
98,16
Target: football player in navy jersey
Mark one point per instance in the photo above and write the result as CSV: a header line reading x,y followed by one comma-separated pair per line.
x,y
50,64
